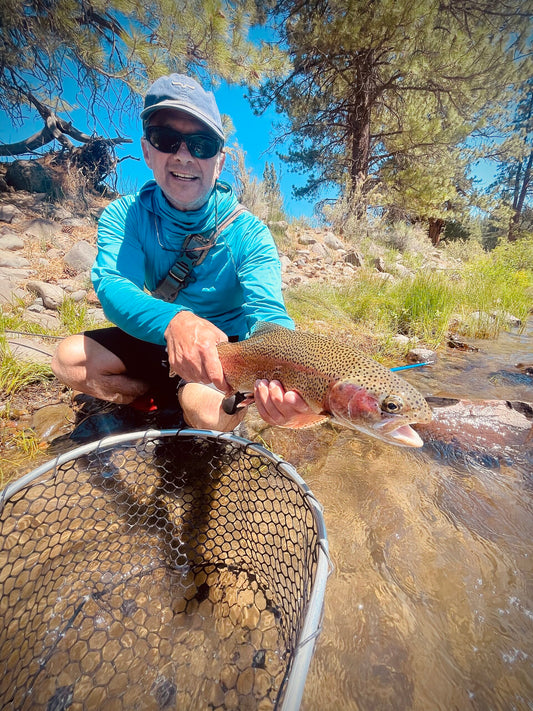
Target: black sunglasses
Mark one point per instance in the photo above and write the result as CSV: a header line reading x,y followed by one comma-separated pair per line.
x,y
167,140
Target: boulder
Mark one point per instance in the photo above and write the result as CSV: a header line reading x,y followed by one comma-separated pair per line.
x,y
81,257
319,249
9,212
41,228
333,242
11,241
355,258
51,294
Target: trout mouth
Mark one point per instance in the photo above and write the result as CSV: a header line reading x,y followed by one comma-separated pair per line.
x,y
388,430
397,431
403,436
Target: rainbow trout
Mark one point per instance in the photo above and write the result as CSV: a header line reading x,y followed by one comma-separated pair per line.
x,y
334,379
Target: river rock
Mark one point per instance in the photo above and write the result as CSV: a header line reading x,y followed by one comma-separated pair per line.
x,y
11,242
81,257
78,295
51,421
41,228
490,431
46,319
12,261
51,294
421,355
8,213
30,349
401,339
508,318
6,291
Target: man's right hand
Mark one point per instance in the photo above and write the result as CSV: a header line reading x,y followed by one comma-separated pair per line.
x,y
192,349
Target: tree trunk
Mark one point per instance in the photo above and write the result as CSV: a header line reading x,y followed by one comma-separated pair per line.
x,y
358,119
523,177
436,227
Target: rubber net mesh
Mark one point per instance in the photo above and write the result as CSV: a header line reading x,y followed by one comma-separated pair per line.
x,y
167,573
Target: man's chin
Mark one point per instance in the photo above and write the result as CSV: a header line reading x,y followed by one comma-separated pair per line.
x,y
184,202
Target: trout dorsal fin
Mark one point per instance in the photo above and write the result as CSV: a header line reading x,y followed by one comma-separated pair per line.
x,y
263,327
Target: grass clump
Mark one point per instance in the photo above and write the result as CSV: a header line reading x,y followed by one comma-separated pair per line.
x,y
74,316
16,373
424,307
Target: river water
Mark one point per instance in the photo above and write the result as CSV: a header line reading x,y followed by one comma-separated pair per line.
x,y
429,606
430,603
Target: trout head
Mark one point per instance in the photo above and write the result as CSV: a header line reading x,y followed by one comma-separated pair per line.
x,y
385,416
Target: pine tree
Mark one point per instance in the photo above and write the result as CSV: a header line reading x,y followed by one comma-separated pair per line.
x,y
272,191
388,91
515,155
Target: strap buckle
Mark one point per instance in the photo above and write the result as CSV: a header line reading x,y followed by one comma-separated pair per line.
x,y
179,271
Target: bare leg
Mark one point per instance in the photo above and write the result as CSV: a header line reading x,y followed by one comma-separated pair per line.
x,y
85,365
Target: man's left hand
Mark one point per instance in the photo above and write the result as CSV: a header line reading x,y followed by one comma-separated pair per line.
x,y
282,408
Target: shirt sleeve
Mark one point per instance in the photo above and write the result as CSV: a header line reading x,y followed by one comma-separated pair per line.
x,y
118,275
259,273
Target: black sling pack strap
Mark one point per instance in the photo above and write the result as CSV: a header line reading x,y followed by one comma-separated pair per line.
x,y
194,251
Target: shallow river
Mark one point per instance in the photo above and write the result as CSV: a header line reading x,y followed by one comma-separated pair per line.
x,y
430,604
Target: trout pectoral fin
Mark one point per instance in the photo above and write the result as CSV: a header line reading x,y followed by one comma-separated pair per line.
x,y
305,421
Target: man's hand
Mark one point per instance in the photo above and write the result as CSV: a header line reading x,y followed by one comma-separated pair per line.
x,y
282,408
192,352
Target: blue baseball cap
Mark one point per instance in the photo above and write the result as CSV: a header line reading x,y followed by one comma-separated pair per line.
x,y
178,91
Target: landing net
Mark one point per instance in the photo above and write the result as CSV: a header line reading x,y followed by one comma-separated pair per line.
x,y
159,570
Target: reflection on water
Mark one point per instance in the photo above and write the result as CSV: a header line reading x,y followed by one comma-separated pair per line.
x,y
430,605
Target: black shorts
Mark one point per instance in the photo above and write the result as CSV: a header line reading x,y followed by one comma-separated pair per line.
x,y
143,360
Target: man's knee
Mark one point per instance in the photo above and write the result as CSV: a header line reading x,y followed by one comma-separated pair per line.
x,y
69,354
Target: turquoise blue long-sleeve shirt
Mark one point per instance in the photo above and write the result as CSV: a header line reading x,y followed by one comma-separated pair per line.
x,y
140,237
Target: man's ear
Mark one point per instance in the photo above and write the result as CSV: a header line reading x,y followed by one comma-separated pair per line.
x,y
146,151
221,159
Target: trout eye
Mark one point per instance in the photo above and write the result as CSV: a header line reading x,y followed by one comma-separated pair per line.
x,y
392,404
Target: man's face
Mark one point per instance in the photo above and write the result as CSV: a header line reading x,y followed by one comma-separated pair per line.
x,y
186,181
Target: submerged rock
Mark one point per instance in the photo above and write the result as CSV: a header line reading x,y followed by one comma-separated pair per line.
x,y
52,420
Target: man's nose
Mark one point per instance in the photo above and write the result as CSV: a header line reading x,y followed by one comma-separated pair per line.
x,y
183,152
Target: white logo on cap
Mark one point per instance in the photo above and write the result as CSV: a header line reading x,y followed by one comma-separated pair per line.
x,y
183,86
